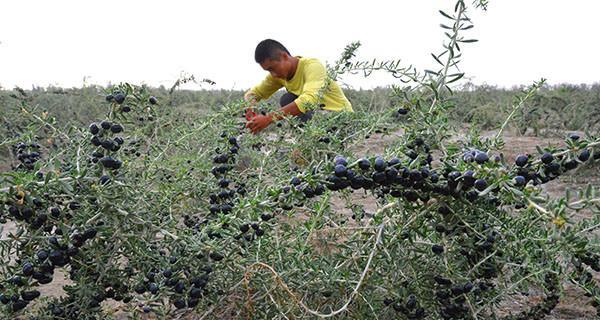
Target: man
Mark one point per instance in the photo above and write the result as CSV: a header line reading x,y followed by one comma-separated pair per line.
x,y
305,79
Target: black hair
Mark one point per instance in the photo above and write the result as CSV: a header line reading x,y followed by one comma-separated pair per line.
x,y
268,49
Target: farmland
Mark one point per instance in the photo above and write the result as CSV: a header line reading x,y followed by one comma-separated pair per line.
x,y
431,201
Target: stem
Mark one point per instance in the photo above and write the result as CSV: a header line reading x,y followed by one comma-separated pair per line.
x,y
515,108
443,75
539,208
352,295
508,289
39,183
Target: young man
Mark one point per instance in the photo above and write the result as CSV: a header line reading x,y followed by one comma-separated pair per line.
x,y
305,80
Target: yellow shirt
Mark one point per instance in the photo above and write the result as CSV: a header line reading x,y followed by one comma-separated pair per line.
x,y
308,82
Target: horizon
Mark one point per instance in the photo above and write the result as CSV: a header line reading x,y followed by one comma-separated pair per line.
x,y
163,87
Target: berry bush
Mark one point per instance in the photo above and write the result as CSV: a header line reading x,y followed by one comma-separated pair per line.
x,y
162,215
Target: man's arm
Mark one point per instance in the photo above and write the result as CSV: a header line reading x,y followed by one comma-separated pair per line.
x,y
263,90
291,109
251,97
260,122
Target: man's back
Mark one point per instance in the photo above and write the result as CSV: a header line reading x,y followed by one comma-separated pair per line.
x,y
310,84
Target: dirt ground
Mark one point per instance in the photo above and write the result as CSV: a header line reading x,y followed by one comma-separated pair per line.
x,y
574,305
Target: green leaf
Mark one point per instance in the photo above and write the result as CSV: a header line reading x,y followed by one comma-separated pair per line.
x,y
449,89
469,40
456,77
589,191
436,59
445,26
446,15
83,173
451,52
539,150
48,177
517,192
456,45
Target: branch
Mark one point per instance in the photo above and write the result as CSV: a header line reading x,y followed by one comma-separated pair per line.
x,y
363,275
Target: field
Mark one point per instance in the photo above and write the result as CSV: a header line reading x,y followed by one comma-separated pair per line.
x,y
432,200
515,143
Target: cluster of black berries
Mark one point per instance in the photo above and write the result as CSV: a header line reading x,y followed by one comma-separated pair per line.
x,y
230,191
410,308
227,190
285,200
591,259
394,178
548,303
133,147
65,309
111,287
451,297
255,227
27,209
308,190
78,239
224,160
19,301
417,147
330,131
117,97
103,138
27,154
223,200
391,177
549,168
71,308
186,290
41,268
585,278
387,176
477,250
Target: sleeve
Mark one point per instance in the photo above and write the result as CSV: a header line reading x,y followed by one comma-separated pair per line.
x,y
266,88
315,78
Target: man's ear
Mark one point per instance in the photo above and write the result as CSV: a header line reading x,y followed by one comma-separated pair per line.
x,y
283,55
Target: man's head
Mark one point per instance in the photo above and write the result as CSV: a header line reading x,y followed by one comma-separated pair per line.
x,y
274,58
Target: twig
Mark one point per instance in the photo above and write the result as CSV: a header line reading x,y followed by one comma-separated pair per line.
x,y
515,108
539,208
508,290
354,292
39,183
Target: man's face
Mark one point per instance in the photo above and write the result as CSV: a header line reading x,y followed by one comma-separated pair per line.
x,y
279,68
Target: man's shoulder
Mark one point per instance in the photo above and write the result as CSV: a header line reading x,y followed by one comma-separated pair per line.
x,y
309,60
311,63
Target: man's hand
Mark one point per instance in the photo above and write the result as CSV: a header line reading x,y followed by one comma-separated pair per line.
x,y
259,123
251,101
250,113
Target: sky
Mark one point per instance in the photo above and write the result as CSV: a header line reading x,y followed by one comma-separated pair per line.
x,y
71,43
